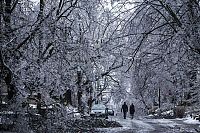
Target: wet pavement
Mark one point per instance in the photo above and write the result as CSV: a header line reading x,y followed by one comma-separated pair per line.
x,y
142,125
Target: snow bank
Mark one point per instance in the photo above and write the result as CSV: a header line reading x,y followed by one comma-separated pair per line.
x,y
189,120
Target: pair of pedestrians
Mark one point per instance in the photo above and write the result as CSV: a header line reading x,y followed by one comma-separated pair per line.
x,y
124,109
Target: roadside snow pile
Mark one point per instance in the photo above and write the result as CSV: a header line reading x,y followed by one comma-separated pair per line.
x,y
169,112
189,120
159,114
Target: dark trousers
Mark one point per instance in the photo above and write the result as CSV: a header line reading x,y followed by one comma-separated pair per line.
x,y
132,115
124,115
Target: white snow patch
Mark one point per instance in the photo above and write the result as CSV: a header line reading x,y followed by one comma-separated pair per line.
x,y
112,130
189,120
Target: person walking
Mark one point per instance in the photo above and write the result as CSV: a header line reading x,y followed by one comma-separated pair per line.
x,y
132,110
124,109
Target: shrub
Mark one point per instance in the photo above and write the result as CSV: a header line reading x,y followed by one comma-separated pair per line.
x,y
179,111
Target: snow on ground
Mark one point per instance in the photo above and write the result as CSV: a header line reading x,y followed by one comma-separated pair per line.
x,y
128,123
189,120
131,123
163,122
142,125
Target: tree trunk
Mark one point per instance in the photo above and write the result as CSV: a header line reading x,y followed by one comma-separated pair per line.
x,y
79,93
7,16
40,17
5,72
1,21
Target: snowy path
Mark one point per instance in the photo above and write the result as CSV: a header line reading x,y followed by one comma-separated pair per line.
x,y
139,125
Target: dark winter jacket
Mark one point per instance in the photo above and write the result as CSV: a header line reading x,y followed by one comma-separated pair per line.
x,y
132,109
124,108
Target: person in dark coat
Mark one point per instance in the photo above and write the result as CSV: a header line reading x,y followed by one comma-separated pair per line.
x,y
124,109
132,110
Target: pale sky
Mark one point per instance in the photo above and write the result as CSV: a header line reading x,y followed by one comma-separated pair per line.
x,y
35,0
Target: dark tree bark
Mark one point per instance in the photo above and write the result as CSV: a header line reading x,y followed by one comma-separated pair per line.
x,y
6,75
40,17
79,93
5,26
1,20
7,16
